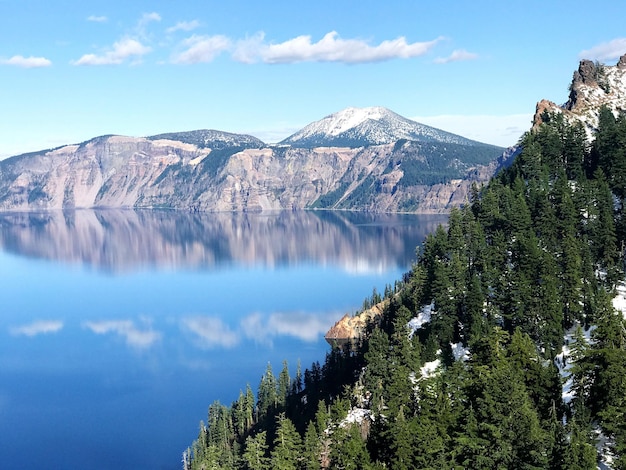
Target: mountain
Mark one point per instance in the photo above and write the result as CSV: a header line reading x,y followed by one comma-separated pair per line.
x,y
362,127
208,170
504,346
593,85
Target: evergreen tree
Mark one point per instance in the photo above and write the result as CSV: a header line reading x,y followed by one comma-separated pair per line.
x,y
348,450
287,450
255,453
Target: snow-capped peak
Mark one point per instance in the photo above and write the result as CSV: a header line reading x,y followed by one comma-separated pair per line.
x,y
355,127
349,118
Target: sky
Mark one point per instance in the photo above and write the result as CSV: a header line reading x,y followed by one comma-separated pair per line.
x,y
71,70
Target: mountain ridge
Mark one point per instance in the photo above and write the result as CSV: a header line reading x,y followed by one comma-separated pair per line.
x,y
209,170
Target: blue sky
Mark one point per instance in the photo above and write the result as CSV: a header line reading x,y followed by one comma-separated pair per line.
x,y
71,70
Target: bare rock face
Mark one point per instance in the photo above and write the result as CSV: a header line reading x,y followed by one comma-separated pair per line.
x,y
587,73
353,328
128,172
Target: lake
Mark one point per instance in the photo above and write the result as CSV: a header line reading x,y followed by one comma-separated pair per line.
x,y
119,328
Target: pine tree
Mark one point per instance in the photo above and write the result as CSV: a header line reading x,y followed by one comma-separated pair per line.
x,y
267,397
349,451
287,451
284,382
312,449
255,453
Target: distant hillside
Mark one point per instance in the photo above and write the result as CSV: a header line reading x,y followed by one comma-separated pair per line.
x,y
398,165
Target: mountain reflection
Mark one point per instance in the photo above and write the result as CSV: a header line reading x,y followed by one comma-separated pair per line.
x,y
123,240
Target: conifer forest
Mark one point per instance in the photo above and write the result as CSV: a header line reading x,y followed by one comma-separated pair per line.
x,y
521,363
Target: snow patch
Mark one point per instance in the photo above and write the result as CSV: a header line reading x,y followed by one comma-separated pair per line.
x,y
429,369
370,126
619,301
460,352
421,319
564,364
355,416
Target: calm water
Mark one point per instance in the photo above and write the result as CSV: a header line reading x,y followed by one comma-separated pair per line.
x,y
119,328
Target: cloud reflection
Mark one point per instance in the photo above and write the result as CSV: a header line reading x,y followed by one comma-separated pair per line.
x,y
133,336
306,327
210,332
36,328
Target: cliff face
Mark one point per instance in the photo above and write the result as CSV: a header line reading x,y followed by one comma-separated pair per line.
x,y
124,172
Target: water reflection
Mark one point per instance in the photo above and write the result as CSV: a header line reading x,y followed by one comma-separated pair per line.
x,y
140,338
119,328
122,240
38,327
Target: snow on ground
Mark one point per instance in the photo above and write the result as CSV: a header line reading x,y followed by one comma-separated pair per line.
x,y
460,352
563,362
421,319
355,416
603,444
619,301
429,369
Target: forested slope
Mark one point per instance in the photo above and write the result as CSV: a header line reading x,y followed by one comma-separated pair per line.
x,y
499,349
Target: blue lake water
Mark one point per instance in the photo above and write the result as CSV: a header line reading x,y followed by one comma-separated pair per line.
x,y
119,328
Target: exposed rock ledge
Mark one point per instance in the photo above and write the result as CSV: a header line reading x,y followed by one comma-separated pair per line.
x,y
353,328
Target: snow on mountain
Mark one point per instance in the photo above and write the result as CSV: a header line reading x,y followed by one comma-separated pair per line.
x,y
593,85
209,138
356,127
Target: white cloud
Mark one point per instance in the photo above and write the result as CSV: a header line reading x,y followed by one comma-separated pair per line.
x,y
332,48
497,130
149,18
210,332
27,62
606,51
248,50
122,50
97,19
37,328
183,26
456,56
126,329
201,49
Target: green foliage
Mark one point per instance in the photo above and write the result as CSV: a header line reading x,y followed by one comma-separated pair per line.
x,y
536,254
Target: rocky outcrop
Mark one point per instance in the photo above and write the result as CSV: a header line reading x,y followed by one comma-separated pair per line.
x,y
593,85
127,172
352,328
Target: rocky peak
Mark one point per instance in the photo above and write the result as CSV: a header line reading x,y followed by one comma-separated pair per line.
x,y
587,73
593,85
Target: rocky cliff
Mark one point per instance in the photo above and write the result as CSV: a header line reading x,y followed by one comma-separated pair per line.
x,y
593,85
125,172
398,166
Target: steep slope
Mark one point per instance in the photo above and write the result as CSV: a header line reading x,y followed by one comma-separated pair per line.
x,y
503,347
361,127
